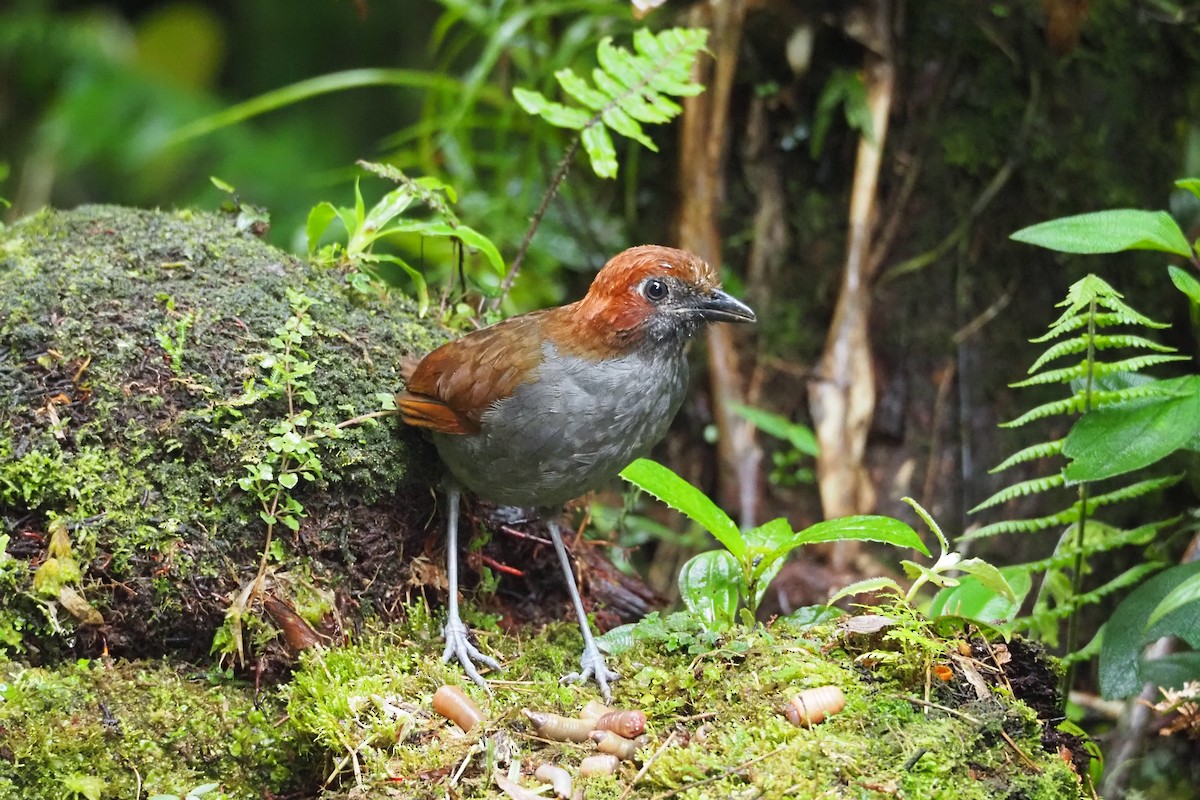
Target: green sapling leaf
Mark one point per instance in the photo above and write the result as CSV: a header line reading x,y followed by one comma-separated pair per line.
x,y
1108,232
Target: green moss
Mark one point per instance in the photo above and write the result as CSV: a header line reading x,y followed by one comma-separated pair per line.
x,y
105,730
126,339
714,721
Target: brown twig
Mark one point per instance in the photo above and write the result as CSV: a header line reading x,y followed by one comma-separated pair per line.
x,y
560,173
646,767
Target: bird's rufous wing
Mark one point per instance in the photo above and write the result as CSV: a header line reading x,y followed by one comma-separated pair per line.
x,y
454,385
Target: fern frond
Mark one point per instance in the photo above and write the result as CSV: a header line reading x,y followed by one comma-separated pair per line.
x,y
1079,344
1132,491
1036,451
1022,489
1114,539
1064,517
1092,288
1129,577
1103,320
627,90
1068,405
1100,369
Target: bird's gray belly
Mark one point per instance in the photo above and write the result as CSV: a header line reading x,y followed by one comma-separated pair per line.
x,y
580,423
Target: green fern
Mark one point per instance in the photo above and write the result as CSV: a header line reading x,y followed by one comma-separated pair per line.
x,y
628,89
1106,376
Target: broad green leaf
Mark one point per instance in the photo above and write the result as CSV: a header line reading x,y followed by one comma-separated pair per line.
x,y
318,222
599,147
798,435
1109,232
862,529
312,87
1173,670
1185,282
865,586
990,577
770,542
390,206
1124,437
973,599
468,236
655,479
1127,633
1186,593
709,585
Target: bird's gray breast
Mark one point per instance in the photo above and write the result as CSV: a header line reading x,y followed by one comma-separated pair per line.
x,y
576,425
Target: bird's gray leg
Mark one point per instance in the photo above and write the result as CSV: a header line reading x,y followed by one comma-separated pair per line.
x,y
458,645
592,661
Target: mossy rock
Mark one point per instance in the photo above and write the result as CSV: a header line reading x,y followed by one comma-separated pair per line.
x,y
139,358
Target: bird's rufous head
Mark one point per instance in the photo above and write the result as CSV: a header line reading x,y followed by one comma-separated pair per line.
x,y
645,296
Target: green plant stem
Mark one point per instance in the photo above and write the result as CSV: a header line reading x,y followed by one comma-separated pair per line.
x,y
1081,524
560,173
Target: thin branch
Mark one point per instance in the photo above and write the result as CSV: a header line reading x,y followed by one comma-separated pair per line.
x,y
564,166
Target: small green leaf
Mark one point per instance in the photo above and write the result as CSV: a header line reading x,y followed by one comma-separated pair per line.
x,y
288,480
1109,232
709,586
555,113
1124,437
1185,282
862,529
864,586
655,479
389,207
318,222
990,577
599,147
222,185
1189,184
798,435
578,88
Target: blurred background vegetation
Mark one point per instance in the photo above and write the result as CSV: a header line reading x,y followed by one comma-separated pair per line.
x,y
1005,113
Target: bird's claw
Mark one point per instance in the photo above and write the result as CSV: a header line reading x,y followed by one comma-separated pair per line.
x,y
595,668
458,645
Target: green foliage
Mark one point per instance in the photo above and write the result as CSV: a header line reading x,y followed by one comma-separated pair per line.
x,y
1127,421
292,448
989,608
843,88
172,337
1109,232
367,227
788,465
1165,605
628,89
718,585
115,729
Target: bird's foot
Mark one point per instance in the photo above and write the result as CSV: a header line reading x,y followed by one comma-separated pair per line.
x,y
458,645
594,668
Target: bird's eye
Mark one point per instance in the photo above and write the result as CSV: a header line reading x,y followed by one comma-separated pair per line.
x,y
654,290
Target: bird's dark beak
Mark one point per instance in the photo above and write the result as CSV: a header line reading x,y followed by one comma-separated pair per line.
x,y
717,306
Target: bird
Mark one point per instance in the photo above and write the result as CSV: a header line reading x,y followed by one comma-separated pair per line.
x,y
546,406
